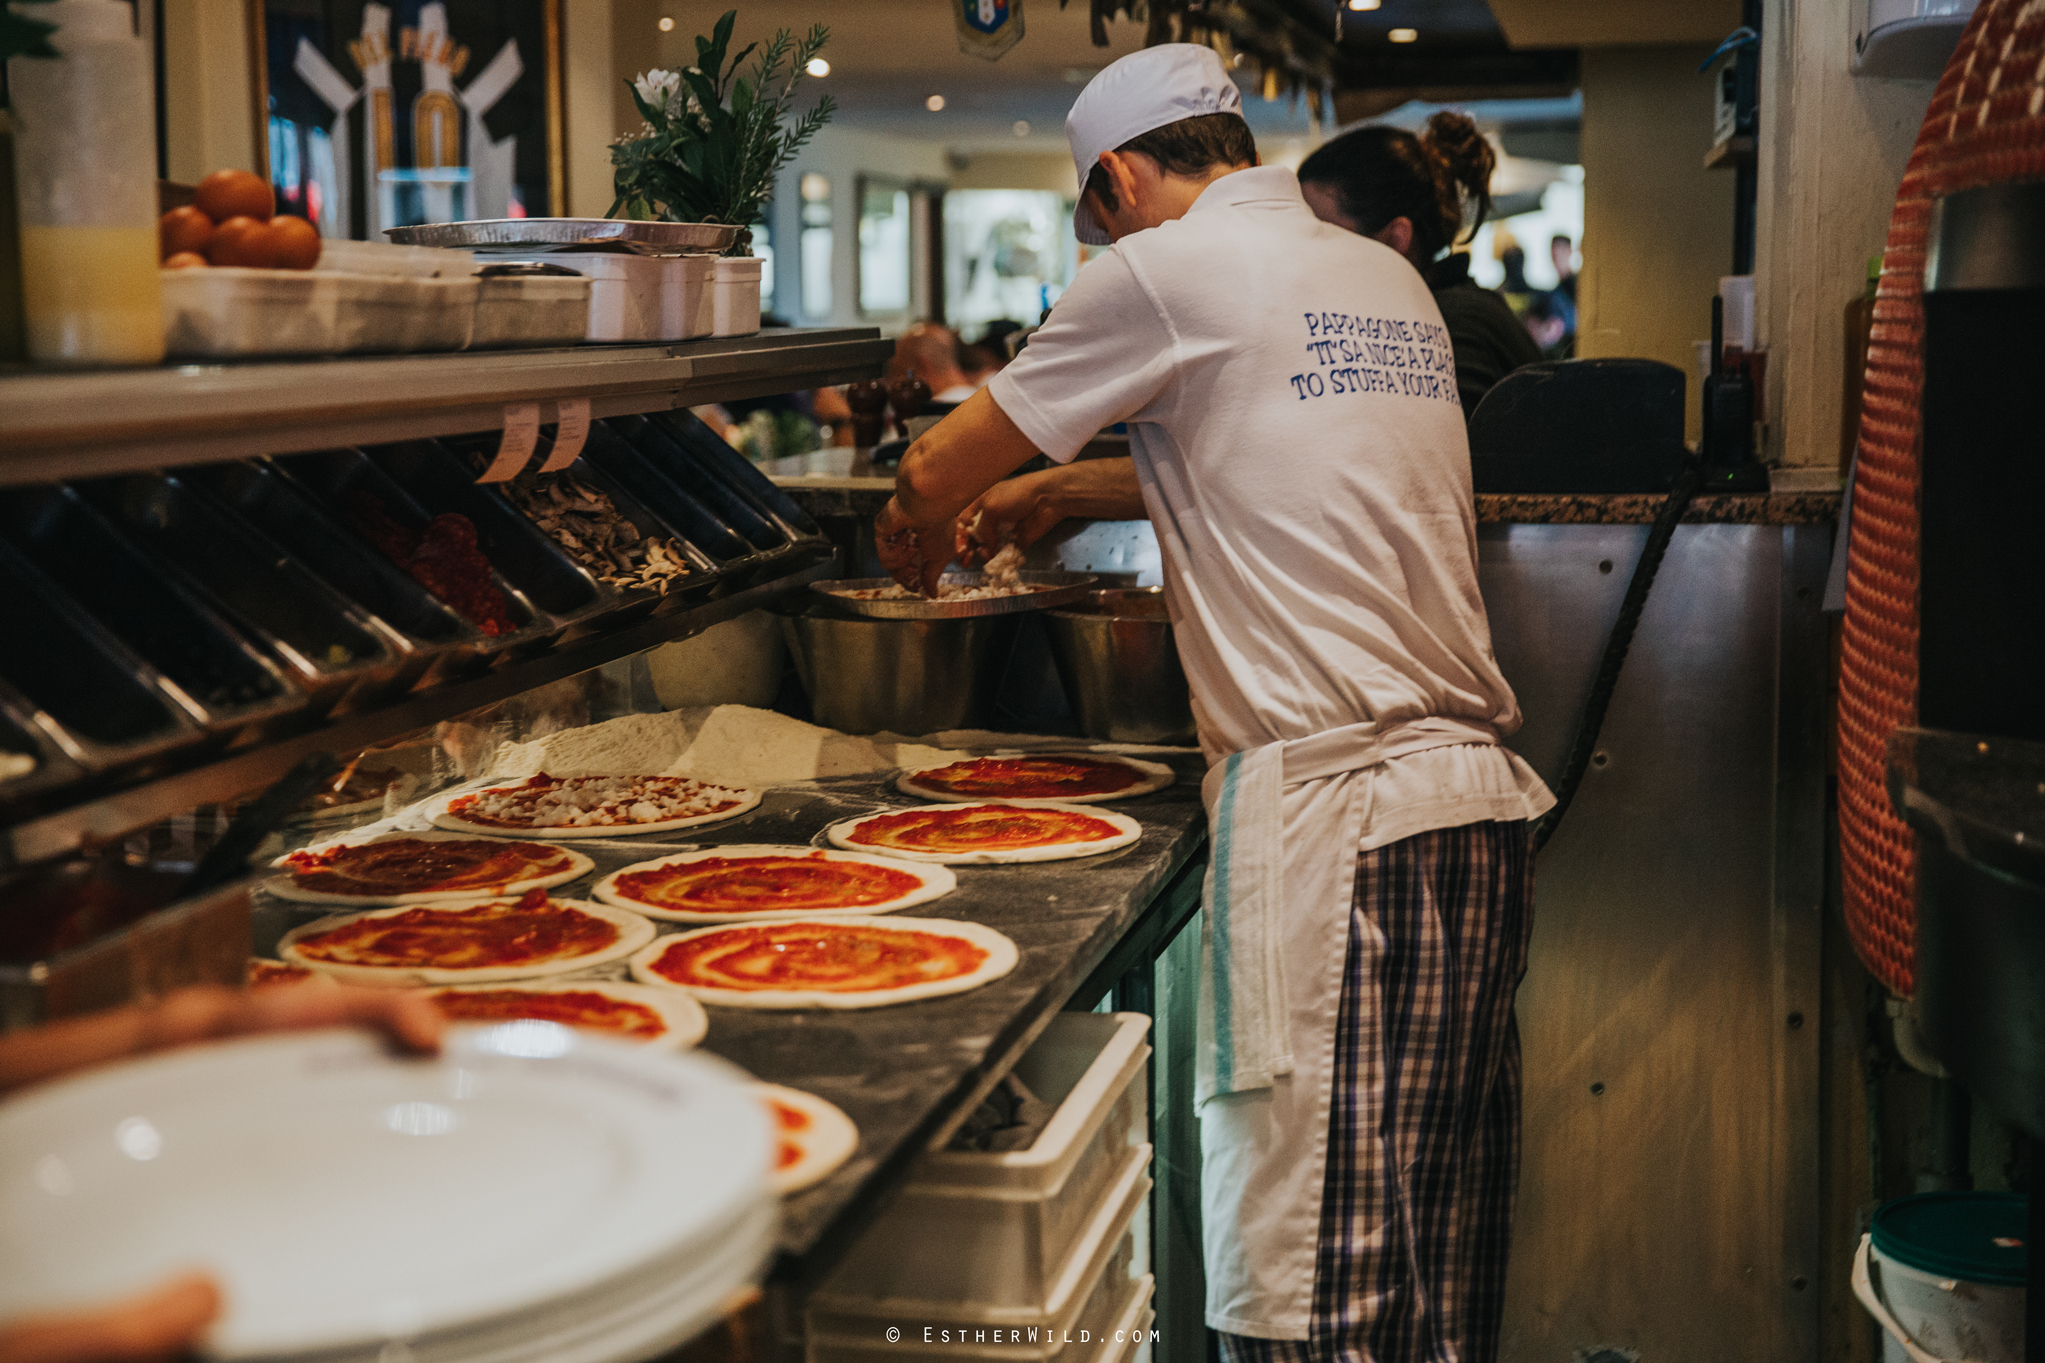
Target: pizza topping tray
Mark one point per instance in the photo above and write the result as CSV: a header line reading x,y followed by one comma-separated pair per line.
x,y
1046,590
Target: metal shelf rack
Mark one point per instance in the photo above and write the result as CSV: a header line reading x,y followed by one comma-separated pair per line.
x,y
57,426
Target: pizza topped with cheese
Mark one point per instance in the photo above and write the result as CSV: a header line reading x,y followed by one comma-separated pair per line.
x,y
988,832
755,883
812,1137
500,939
849,962
423,868
593,806
622,1011
1067,778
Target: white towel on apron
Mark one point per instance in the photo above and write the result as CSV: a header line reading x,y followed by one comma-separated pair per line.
x,y
1243,1039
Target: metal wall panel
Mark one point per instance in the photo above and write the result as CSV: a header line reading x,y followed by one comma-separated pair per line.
x,y
1668,1194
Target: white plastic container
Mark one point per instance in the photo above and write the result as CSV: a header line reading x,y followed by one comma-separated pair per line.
x,y
536,310
340,256
228,311
441,315
640,298
85,183
1928,1319
999,1231
735,288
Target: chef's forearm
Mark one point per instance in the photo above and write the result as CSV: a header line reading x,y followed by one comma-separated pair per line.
x,y
1098,490
953,462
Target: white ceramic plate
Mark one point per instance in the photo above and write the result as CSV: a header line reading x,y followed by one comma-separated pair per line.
x,y
344,1197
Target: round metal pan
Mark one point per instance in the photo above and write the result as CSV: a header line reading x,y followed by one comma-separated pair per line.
x,y
568,234
1050,589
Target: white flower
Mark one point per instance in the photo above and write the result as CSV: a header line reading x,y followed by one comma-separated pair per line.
x,y
657,87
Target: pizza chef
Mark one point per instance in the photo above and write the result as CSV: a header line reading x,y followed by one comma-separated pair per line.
x,y
1298,444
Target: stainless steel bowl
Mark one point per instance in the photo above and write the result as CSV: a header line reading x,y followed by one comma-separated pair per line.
x,y
901,676
1116,656
1047,589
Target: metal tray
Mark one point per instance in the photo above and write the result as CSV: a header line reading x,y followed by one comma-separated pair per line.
x,y
660,446
334,652
332,479
737,470
703,570
611,452
232,685
439,481
106,708
1052,589
571,234
20,733
450,645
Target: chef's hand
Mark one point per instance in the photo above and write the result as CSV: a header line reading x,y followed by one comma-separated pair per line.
x,y
914,554
1024,509
163,1323
211,1012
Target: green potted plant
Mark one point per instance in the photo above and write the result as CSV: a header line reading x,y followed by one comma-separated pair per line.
x,y
714,137
20,36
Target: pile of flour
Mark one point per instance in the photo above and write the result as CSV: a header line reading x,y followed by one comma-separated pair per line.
x,y
733,745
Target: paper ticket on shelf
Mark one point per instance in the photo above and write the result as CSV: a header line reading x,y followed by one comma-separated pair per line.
x,y
569,435
521,436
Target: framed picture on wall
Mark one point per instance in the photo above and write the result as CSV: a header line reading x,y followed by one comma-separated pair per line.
x,y
385,115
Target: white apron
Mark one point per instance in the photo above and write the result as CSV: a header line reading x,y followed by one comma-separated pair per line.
x,y
1285,821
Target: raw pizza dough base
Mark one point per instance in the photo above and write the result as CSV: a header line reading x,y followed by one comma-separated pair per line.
x,y
1001,958
829,1141
1156,776
749,800
634,932
937,881
685,1019
286,885
1128,831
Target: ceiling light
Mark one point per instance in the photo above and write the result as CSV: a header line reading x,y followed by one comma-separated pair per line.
x,y
935,104
1404,35
817,66
1364,4
1021,128
667,25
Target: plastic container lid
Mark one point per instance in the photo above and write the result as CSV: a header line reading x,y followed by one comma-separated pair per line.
x,y
1978,1237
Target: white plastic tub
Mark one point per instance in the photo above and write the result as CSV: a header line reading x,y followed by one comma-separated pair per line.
x,y
1928,1319
441,315
639,298
996,1230
735,290
340,256
532,310
227,311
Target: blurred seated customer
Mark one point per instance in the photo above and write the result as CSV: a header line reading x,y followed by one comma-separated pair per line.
x,y
930,352
1416,195
1514,289
1548,326
170,1320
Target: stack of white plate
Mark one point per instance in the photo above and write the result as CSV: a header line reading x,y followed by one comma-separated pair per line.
x,y
533,1193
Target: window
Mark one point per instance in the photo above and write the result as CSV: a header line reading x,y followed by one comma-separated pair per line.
x,y
884,253
1008,253
815,247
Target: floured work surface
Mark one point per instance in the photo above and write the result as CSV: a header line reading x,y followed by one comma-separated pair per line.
x,y
906,1075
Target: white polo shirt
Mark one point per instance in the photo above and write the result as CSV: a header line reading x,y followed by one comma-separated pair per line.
x,y
1293,415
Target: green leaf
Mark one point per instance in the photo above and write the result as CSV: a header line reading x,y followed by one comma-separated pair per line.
x,y
24,37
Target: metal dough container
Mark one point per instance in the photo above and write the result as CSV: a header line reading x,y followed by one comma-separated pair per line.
x,y
901,676
1120,666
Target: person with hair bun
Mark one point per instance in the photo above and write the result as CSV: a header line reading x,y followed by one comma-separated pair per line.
x,y
1417,195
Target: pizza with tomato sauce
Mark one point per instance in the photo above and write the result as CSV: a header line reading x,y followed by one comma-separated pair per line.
x,y
827,962
423,868
665,1018
497,939
1071,778
754,884
593,806
988,832
263,973
812,1137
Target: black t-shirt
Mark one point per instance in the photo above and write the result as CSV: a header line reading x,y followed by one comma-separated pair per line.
x,y
1488,340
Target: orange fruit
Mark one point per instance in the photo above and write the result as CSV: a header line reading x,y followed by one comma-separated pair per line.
x,y
182,229
236,194
184,260
294,243
240,241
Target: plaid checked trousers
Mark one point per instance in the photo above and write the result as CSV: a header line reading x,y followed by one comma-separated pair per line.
x,y
1424,1121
